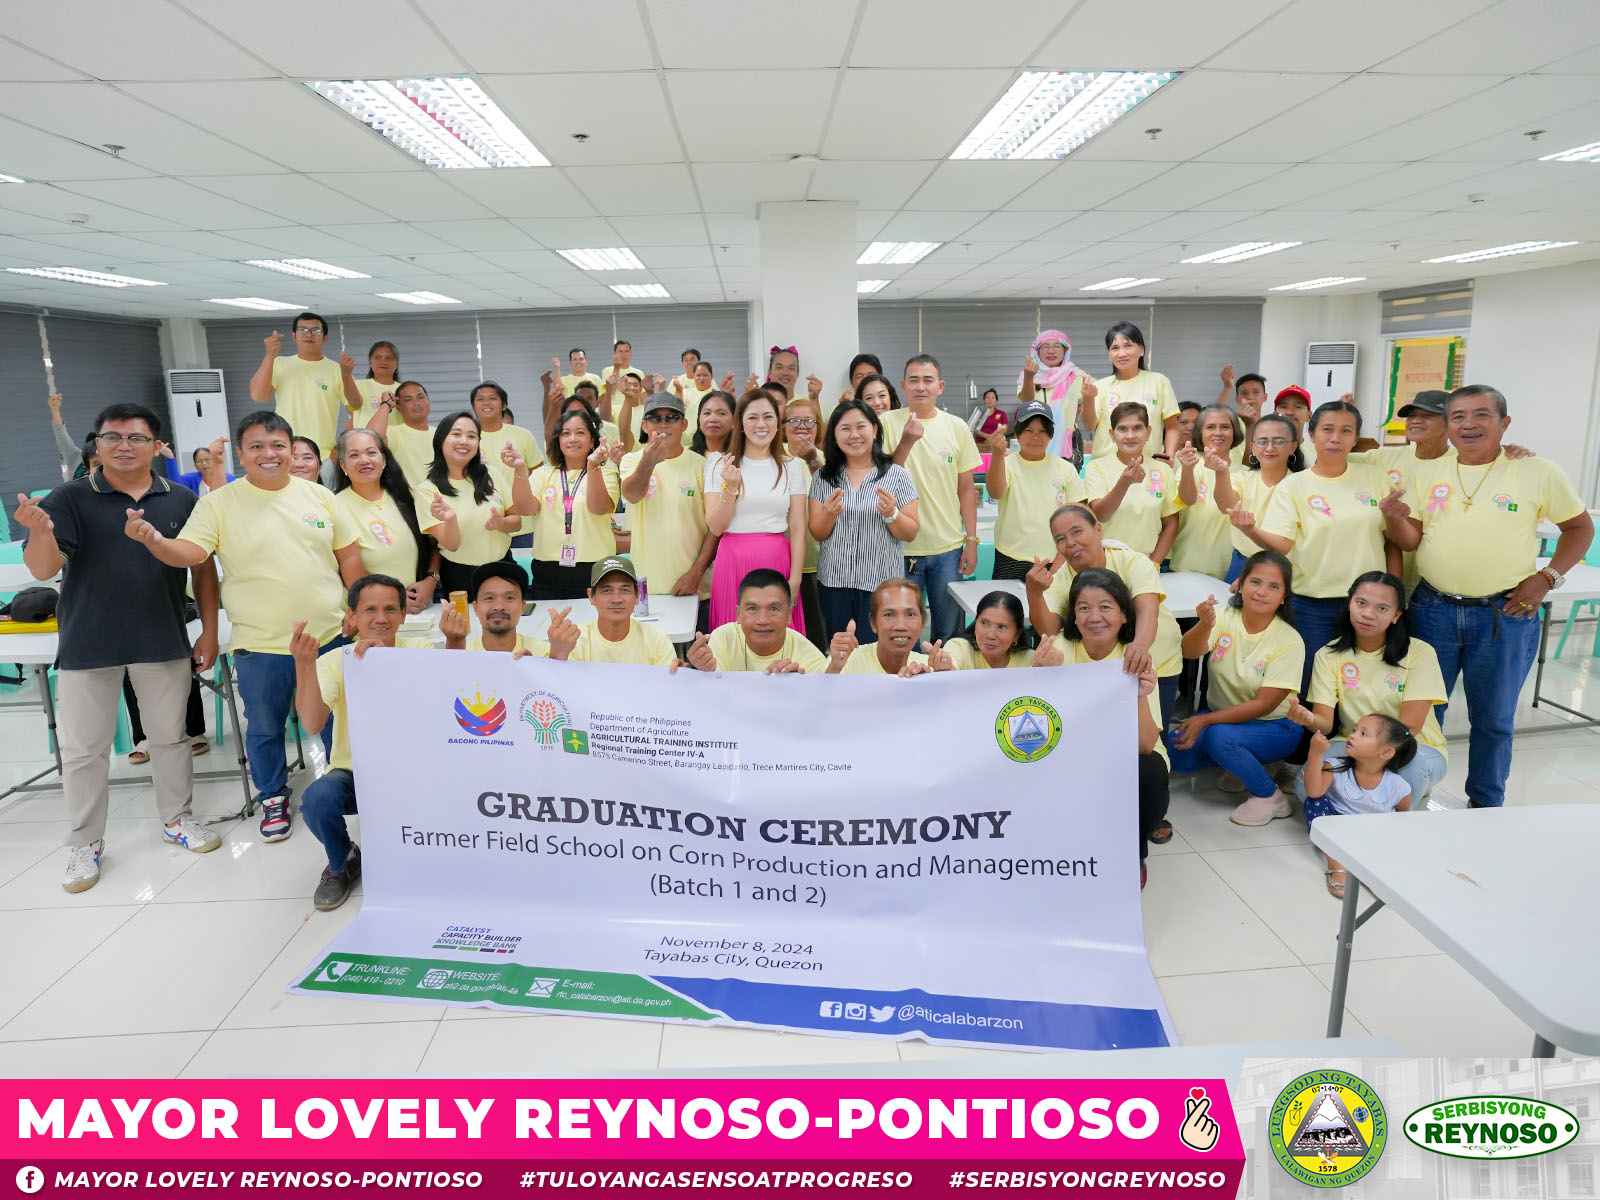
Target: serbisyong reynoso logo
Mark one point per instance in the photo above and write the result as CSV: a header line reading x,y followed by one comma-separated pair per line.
x,y
1491,1127
1327,1128
1027,729
481,717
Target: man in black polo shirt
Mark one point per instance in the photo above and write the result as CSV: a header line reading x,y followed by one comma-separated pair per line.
x,y
121,610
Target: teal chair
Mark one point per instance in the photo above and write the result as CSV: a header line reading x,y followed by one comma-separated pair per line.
x,y
40,494
1580,606
10,552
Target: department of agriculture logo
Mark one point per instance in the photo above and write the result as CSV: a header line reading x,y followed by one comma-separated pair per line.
x,y
1491,1127
551,721
1327,1128
479,716
1027,729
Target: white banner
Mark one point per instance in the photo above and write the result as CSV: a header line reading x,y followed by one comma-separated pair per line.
x,y
951,857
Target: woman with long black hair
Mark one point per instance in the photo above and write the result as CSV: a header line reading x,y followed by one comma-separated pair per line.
x,y
370,486
460,507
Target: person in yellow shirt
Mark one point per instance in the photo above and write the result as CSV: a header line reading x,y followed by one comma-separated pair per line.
x,y
1130,382
1255,665
664,486
410,439
1205,535
1099,624
307,386
896,621
996,639
1249,396
936,447
460,506
361,396
690,361
1028,486
701,381
489,405
760,640
580,373
286,552
574,495
372,491
498,595
1272,456
377,606
1135,498
1376,665
1473,521
614,636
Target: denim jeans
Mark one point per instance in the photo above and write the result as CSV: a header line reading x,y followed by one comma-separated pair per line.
x,y
840,606
266,686
1235,567
1244,748
1421,773
324,806
935,573
1314,619
1492,653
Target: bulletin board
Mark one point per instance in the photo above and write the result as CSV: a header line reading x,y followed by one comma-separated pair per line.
x,y
1419,365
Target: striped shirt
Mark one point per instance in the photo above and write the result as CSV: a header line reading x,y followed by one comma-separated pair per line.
x,y
861,553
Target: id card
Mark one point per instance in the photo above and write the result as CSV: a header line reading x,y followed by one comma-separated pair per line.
x,y
569,555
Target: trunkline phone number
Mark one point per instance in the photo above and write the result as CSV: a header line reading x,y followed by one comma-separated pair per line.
x,y
730,952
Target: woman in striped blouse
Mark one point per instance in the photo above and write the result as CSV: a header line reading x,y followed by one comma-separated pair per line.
x,y
862,511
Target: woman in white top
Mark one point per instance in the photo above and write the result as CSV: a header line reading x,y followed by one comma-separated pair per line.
x,y
756,502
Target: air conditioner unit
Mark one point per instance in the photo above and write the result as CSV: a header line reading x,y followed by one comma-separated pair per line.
x,y
199,411
1330,370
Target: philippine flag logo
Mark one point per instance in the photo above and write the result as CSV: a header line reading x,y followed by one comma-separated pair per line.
x,y
480,717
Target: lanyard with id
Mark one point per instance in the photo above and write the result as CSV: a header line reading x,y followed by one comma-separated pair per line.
x,y
569,551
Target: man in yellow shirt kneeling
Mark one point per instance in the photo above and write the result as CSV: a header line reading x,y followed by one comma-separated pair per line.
x,y
897,620
497,592
614,636
760,640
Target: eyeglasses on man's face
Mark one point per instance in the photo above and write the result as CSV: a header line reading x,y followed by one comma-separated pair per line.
x,y
137,440
801,422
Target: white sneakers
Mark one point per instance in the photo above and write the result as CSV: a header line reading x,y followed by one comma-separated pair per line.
x,y
192,835
1262,810
83,867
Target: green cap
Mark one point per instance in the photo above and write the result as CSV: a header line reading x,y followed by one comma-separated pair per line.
x,y
616,562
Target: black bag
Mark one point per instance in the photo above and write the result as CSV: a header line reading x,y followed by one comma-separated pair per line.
x,y
32,604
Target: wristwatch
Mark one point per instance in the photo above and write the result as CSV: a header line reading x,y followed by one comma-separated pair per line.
x,y
1555,577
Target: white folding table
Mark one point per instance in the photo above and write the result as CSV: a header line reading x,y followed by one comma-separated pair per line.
x,y
1581,583
1509,893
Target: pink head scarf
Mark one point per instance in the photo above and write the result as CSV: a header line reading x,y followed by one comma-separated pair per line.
x,y
1056,382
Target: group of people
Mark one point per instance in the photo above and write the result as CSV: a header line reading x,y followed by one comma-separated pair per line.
x,y
1362,580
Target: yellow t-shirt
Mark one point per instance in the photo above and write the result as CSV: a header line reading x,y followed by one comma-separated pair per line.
x,y
387,544
569,383
967,657
478,544
669,524
1491,546
1149,388
330,678
412,449
1358,684
1334,524
1255,493
370,390
1236,455
276,554
591,532
645,645
1205,535
1076,654
534,646
1137,520
1140,574
863,660
1034,490
1397,463
945,452
1241,663
813,549
733,653
1308,451
618,398
309,394
489,447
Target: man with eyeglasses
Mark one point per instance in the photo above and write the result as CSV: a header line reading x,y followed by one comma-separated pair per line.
x,y
309,387
120,612
663,484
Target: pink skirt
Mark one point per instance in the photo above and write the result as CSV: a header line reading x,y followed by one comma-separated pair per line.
x,y
737,555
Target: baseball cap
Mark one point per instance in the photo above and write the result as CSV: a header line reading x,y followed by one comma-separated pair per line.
x,y
511,572
1432,402
664,400
1032,409
1293,390
614,562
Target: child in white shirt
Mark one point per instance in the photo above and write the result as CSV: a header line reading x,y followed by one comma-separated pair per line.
x,y
1364,781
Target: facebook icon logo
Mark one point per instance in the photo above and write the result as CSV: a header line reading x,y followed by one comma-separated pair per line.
x,y
30,1179
831,1008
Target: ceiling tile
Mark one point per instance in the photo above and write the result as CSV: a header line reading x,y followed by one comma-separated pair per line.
x,y
30,154
868,223
521,191
1417,187
1301,183
928,226
622,112
639,232
296,197
1343,39
21,64
354,39
1169,37
885,185
388,238
1499,39
1101,225
969,184
1079,185
947,105
636,191
490,235
119,247
939,33
1189,185
520,36
407,195
153,40
569,233
672,258
734,186
1012,226
177,202
740,116
698,33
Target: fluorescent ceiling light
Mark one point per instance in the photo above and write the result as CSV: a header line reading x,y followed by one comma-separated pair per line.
x,y
445,122
1500,252
1589,153
865,287
607,258
896,253
11,179
641,291
1326,281
258,303
1049,114
77,275
305,268
1241,252
419,297
1121,283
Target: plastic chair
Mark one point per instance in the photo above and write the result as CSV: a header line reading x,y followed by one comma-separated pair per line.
x,y
10,552
1579,606
40,494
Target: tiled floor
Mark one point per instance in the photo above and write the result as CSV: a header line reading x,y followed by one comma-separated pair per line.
x,y
175,963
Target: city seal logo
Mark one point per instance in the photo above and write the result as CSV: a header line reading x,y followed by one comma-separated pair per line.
x,y
547,715
1491,1127
1327,1129
480,717
1027,729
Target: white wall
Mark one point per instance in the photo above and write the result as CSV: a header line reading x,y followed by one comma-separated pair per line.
x,y
1536,336
1289,322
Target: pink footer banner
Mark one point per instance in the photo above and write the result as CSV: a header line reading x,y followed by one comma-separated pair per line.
x,y
490,1138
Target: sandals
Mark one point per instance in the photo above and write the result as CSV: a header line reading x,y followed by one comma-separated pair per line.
x,y
1336,886
138,757
1161,834
200,746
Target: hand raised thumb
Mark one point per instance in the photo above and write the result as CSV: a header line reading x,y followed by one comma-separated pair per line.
x,y
850,627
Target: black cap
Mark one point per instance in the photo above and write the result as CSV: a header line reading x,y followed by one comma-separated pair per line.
x,y
1431,402
1032,409
664,400
506,569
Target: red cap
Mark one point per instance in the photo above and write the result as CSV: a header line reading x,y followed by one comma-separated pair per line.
x,y
1293,389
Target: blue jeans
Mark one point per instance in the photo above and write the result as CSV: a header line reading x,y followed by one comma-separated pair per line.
x,y
324,806
840,606
1235,567
1492,653
1314,619
1243,748
935,573
266,686
1420,774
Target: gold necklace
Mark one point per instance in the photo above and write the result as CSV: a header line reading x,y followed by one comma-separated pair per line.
x,y
1467,503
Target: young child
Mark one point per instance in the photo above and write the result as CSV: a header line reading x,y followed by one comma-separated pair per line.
x,y
1363,781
